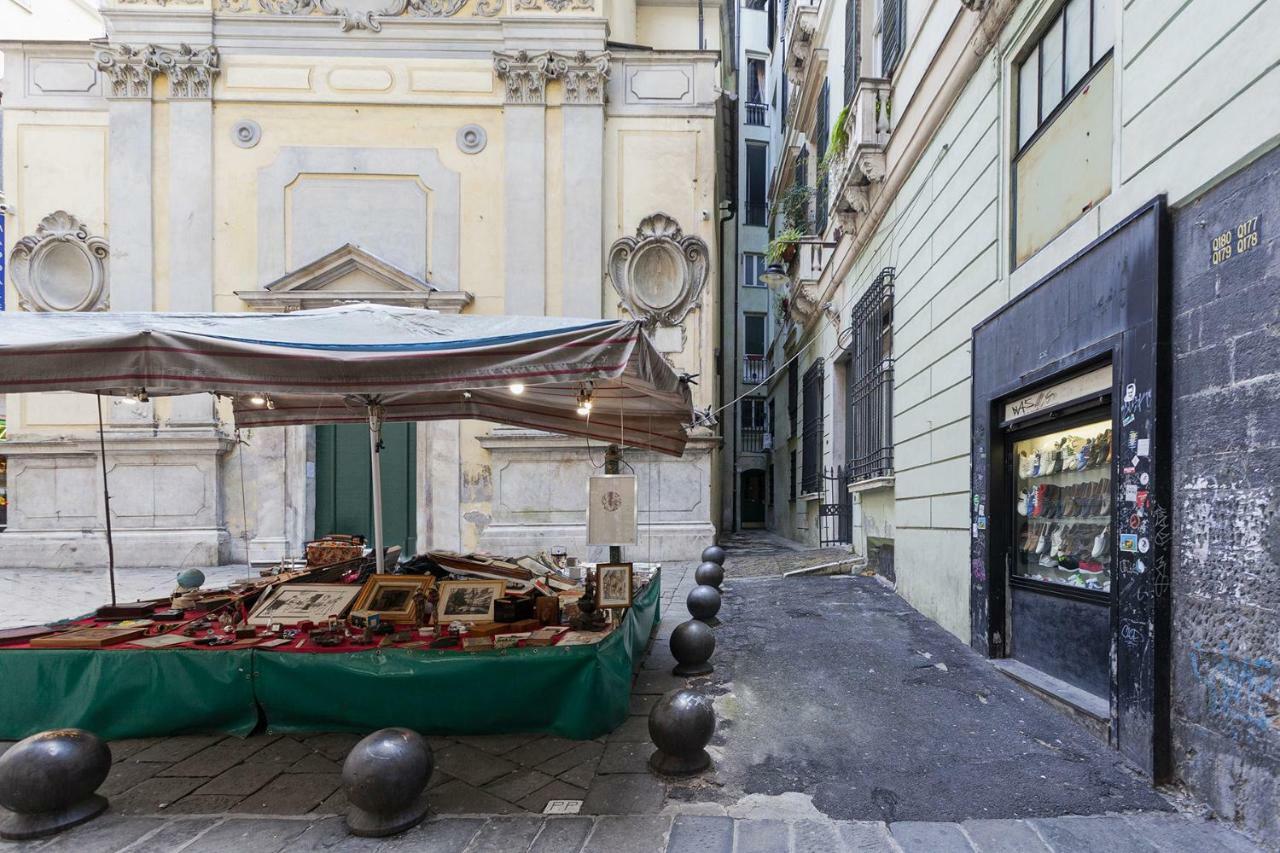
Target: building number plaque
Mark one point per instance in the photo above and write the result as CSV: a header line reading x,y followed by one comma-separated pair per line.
x,y
1236,241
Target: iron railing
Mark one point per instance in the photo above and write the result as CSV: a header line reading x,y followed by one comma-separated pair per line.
x,y
752,440
835,511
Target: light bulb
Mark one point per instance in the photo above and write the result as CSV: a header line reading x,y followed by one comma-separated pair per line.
x,y
258,400
584,410
516,387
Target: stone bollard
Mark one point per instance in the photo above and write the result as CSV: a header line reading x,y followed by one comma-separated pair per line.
x,y
385,778
692,643
704,603
681,724
713,554
48,781
709,574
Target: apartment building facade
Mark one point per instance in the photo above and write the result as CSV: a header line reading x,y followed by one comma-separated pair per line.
x,y
1027,360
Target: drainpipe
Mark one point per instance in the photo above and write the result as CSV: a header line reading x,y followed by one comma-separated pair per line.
x,y
702,41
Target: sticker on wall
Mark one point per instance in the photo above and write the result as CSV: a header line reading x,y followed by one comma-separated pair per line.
x,y
982,522
1128,419
1141,498
1134,462
1144,545
1133,438
1144,447
1135,521
1139,567
1130,392
1144,478
1128,542
1130,493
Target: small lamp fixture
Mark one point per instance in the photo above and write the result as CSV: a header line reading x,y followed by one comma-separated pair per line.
x,y
139,396
257,400
516,388
584,402
775,275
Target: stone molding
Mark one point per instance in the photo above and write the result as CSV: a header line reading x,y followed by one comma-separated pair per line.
x,y
131,68
63,234
526,74
353,17
584,76
660,272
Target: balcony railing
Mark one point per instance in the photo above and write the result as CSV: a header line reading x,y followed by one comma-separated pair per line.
x,y
798,28
755,368
757,114
752,440
862,162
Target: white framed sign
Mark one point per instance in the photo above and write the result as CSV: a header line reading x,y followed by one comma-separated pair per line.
x,y
611,509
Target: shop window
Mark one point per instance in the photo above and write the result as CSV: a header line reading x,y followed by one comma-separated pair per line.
x,y
811,434
757,212
893,34
1064,123
869,418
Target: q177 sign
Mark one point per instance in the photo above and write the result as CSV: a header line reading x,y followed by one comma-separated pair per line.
x,y
1236,241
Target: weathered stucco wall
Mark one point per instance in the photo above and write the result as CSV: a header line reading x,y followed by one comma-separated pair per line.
x,y
1226,537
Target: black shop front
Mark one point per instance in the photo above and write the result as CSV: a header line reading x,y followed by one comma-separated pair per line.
x,y
1070,487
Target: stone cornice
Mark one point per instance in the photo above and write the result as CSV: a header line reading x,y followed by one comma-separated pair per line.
x,y
130,69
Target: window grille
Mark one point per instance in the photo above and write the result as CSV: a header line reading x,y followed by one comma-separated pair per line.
x,y
869,421
811,436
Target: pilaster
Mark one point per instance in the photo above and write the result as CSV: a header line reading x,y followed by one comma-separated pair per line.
x,y
584,78
525,77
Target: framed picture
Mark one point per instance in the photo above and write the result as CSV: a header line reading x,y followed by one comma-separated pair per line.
x,y
468,600
613,585
290,604
611,509
392,596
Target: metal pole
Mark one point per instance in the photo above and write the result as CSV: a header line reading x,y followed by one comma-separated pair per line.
x,y
106,503
375,463
613,465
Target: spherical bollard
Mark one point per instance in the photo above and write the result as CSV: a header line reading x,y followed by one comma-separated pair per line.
x,y
47,782
681,725
713,554
385,777
709,574
190,578
692,643
704,603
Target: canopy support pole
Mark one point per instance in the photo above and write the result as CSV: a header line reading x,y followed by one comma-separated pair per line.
x,y
106,503
375,465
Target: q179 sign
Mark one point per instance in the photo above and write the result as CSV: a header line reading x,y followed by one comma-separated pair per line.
x,y
1236,241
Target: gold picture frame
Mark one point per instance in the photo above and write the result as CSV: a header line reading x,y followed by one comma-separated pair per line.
x,y
470,600
613,585
392,596
292,603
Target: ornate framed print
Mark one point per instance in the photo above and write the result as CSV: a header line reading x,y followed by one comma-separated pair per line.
x,y
613,585
468,600
289,604
611,509
393,597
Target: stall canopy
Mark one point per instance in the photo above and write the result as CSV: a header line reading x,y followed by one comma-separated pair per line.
x,y
334,365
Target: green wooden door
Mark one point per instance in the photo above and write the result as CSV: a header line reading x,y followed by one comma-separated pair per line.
x,y
344,491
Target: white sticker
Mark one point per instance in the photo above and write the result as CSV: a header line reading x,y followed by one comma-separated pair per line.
x,y
1144,545
1135,462
1139,567
1144,447
1130,392
975,531
1144,478
1131,493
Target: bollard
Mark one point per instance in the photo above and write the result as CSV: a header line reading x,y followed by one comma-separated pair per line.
x,y
704,603
692,643
713,554
681,725
385,777
709,574
47,782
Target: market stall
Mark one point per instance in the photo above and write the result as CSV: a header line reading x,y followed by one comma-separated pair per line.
x,y
443,658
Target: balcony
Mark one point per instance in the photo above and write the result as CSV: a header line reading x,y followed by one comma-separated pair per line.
x,y
754,368
753,440
862,163
804,270
757,114
798,29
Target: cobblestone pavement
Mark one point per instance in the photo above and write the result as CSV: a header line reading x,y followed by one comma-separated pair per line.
x,y
758,553
269,793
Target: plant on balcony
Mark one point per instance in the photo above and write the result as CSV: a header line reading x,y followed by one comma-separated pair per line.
x,y
783,247
838,142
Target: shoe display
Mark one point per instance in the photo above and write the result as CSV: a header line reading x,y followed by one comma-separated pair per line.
x,y
1024,465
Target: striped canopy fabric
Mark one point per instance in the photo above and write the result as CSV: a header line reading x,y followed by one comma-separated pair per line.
x,y
328,365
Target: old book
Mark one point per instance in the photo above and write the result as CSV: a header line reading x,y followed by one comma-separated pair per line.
x,y
160,641
488,629
88,638
545,636
475,644
23,635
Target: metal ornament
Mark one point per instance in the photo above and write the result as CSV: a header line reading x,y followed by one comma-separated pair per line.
x,y
681,724
709,574
385,778
692,644
704,603
47,783
713,554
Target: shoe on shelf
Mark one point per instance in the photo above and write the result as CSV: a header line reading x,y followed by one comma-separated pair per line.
x,y
1022,502
1025,463
1100,543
